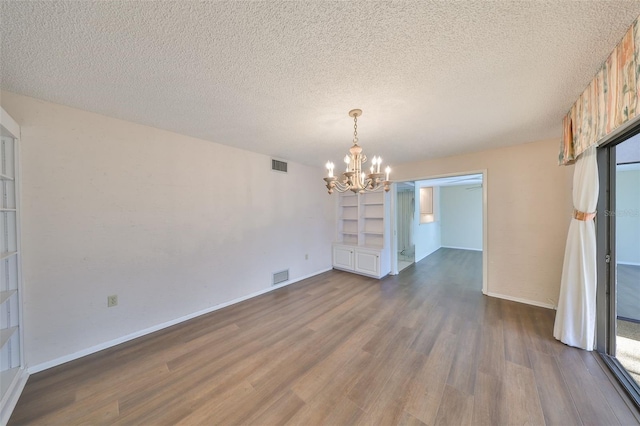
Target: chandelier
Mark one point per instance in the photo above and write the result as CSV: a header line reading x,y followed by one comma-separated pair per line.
x,y
354,179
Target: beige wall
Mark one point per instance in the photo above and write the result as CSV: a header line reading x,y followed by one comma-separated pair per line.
x,y
529,210
173,225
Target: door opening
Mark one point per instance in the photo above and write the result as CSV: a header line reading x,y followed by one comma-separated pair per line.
x,y
618,245
445,212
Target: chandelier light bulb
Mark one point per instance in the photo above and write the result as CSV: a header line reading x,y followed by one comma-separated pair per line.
x,y
387,171
330,168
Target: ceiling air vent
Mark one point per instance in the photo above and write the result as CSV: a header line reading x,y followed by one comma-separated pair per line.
x,y
278,166
280,277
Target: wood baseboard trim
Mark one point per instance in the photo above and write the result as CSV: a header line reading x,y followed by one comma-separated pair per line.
x,y
93,349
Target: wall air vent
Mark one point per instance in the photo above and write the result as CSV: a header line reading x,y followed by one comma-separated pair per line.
x,y
278,166
280,277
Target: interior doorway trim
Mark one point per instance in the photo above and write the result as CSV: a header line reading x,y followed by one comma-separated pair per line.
x,y
485,251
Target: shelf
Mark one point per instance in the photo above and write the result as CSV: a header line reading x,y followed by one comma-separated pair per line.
x,y
344,218
342,243
5,335
7,254
6,379
7,210
5,177
374,217
372,246
4,295
349,233
373,233
372,204
349,205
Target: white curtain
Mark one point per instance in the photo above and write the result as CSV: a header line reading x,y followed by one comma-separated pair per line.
x,y
575,322
406,208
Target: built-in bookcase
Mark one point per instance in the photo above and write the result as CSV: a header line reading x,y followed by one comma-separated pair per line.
x,y
12,371
372,216
363,241
363,219
348,223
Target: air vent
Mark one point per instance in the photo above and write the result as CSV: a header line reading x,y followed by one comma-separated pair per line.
x,y
278,166
280,277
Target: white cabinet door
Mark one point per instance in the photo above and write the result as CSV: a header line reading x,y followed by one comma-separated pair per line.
x,y
367,262
343,257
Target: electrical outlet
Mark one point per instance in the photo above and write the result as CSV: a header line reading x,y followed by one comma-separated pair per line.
x,y
112,301
306,257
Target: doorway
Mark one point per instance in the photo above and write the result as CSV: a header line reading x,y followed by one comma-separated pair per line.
x,y
439,213
618,239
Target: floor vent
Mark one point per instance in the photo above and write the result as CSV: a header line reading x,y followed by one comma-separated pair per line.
x,y
280,277
278,166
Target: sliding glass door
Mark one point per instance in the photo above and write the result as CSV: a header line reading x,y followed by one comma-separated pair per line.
x,y
618,233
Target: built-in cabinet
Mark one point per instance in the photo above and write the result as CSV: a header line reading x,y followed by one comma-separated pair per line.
x,y
363,242
12,372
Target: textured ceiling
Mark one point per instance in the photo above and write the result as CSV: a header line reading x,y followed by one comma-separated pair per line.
x,y
433,78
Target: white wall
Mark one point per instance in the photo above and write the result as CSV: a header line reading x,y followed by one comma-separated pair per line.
x,y
171,224
628,217
529,210
427,235
461,216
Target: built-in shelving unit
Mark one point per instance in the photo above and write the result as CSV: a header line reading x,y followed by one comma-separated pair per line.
x,y
348,223
12,371
362,243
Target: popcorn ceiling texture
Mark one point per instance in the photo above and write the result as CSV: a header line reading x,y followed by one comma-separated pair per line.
x,y
433,78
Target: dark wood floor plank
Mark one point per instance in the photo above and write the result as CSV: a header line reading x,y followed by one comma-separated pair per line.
x,y
619,407
334,365
514,336
522,402
456,408
591,405
487,407
557,405
371,383
327,399
427,385
491,354
465,359
388,409
422,348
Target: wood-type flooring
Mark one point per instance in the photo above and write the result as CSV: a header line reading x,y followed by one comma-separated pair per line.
x,y
423,347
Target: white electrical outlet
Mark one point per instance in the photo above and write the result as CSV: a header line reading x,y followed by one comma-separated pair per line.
x,y
112,301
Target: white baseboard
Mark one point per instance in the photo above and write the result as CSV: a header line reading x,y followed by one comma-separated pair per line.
x,y
93,349
428,254
520,300
628,263
13,394
462,248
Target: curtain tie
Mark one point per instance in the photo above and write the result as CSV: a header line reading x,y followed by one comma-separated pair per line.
x,y
577,214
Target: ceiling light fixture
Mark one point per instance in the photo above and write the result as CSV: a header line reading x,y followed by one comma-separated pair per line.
x,y
354,179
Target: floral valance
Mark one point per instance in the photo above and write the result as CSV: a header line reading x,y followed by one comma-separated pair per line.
x,y
610,100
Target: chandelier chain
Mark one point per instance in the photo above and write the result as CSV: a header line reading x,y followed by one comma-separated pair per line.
x,y
355,129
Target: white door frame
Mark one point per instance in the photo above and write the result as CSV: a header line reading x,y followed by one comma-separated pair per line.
x,y
394,221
